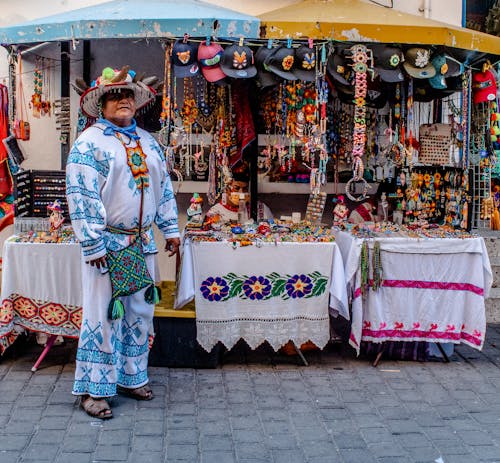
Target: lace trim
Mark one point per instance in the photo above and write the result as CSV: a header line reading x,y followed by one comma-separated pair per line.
x,y
254,332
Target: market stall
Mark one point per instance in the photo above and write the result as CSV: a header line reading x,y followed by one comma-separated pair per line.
x,y
344,131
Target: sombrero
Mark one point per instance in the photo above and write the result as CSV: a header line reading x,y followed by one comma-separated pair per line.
x,y
113,80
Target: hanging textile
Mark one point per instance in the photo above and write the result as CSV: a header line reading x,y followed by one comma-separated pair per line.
x,y
6,193
245,130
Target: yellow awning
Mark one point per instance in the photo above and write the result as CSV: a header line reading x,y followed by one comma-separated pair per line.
x,y
356,21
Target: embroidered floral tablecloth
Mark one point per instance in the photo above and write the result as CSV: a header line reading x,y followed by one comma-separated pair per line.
x,y
432,290
41,290
273,293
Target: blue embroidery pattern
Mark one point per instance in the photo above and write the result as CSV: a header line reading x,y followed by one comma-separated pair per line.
x,y
99,372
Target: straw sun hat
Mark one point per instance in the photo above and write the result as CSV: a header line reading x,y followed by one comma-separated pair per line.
x,y
112,80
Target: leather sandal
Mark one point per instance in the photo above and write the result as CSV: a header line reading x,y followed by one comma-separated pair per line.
x,y
96,408
140,393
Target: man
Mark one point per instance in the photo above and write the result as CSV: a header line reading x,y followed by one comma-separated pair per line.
x,y
117,186
227,208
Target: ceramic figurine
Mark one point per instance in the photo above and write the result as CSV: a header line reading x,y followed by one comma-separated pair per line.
x,y
194,212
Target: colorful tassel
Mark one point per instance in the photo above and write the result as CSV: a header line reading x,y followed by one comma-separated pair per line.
x,y
152,295
116,310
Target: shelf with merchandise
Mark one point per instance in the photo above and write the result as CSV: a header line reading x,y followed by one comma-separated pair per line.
x,y
271,187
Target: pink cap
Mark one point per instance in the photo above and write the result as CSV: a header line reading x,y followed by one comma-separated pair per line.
x,y
209,57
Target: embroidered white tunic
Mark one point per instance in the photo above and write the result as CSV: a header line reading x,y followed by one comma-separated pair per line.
x,y
101,192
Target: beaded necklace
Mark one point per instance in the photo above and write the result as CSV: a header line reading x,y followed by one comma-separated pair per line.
x,y
360,58
376,266
166,95
136,160
365,268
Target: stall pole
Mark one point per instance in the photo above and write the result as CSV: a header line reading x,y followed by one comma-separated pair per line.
x,y
86,61
65,62
254,188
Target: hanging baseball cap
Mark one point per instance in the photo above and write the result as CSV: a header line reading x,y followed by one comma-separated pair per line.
x,y
265,78
339,69
445,66
184,58
484,86
209,57
375,95
388,62
304,66
418,64
423,92
281,62
237,61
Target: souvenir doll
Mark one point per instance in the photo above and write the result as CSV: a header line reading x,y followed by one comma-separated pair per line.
x,y
56,218
340,211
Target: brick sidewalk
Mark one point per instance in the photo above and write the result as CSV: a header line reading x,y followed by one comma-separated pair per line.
x,y
262,408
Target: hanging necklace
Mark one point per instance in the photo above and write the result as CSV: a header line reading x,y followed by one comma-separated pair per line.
x,y
360,58
36,98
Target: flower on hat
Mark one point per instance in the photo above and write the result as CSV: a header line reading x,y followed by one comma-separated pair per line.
x,y
422,58
287,62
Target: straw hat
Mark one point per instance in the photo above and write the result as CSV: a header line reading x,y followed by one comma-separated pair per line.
x,y
113,80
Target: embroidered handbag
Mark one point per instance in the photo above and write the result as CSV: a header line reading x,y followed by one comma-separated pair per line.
x,y
129,272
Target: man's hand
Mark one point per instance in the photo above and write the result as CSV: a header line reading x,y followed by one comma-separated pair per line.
x,y
99,262
172,245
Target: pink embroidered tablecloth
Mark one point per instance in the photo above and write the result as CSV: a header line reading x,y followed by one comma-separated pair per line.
x,y
432,290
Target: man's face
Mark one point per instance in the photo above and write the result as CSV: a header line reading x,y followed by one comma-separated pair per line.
x,y
235,188
119,108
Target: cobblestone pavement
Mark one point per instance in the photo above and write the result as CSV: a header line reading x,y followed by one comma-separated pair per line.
x,y
263,408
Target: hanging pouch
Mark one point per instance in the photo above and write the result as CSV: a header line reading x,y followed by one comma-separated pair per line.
x,y
129,274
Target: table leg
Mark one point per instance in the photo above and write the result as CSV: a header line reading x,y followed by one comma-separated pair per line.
x,y
379,356
446,359
300,354
48,346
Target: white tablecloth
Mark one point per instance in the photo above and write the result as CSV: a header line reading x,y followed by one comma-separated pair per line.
x,y
273,293
433,290
41,289
47,272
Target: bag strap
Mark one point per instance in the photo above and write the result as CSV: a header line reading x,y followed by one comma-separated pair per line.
x,y
20,91
140,209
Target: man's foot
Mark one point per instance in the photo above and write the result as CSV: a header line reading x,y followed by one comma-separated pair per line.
x,y
96,408
140,393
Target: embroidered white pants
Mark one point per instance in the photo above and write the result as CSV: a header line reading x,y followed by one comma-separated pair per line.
x,y
112,352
